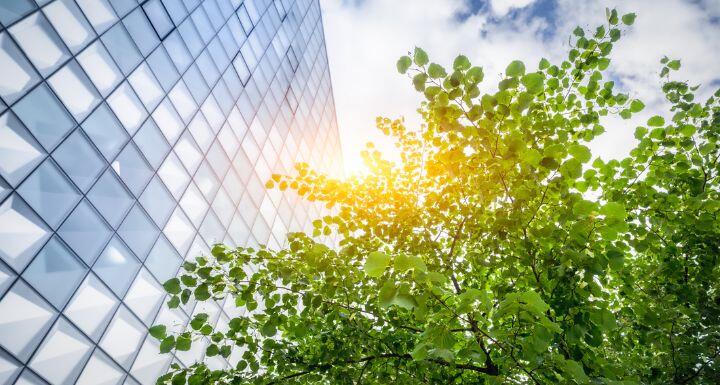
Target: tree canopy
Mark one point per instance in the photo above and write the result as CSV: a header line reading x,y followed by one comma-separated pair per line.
x,y
496,251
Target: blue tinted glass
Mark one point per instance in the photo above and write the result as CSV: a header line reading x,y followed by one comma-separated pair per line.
x,y
4,190
105,131
157,201
7,276
110,198
163,261
175,9
158,17
177,51
132,168
85,232
196,84
20,153
79,159
121,48
217,53
190,36
17,75
199,17
12,10
55,272
138,231
152,143
122,7
116,266
141,31
213,13
163,68
44,116
207,68
49,193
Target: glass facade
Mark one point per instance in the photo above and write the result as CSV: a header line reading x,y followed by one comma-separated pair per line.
x,y
135,134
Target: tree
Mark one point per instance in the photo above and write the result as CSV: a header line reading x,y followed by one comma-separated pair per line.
x,y
495,251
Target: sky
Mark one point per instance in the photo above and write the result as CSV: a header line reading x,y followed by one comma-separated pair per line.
x,y
366,37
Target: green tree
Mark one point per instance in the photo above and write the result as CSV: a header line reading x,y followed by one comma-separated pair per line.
x,y
495,251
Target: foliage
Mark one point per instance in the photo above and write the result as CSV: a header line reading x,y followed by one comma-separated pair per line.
x,y
495,251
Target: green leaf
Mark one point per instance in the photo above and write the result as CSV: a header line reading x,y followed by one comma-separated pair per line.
x,y
158,331
613,210
544,64
576,372
376,263
579,32
172,286
516,68
387,293
628,18
406,301
436,71
656,121
403,64
580,152
420,57
183,343
637,105
201,292
674,64
475,74
167,344
269,329
534,82
461,63
419,81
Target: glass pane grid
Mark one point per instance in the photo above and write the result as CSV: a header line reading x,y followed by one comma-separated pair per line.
x,y
107,72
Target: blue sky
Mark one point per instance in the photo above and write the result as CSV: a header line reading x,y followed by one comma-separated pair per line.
x,y
365,38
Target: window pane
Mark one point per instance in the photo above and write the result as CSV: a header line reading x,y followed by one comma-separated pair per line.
x,y
141,31
17,75
100,67
22,233
50,193
85,232
116,266
132,169
139,232
64,343
75,90
44,116
55,272
104,129
70,24
99,13
79,159
19,151
127,108
110,198
10,11
40,42
121,48
157,201
24,319
152,143
92,307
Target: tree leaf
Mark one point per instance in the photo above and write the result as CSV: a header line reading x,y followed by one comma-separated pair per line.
x,y
403,64
376,263
628,18
461,63
158,331
516,68
420,57
656,121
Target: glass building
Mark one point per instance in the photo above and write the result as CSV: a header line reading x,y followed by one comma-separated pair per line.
x,y
135,134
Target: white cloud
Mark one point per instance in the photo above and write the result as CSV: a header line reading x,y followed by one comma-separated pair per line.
x,y
365,38
502,7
